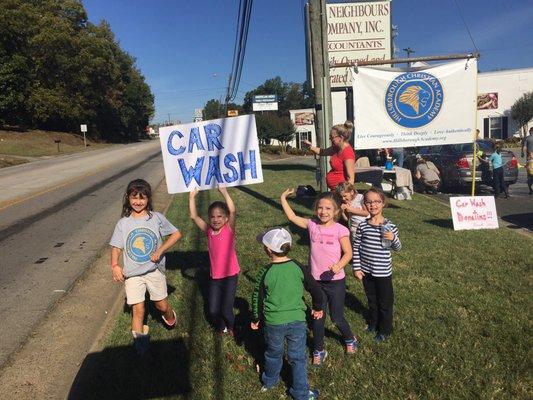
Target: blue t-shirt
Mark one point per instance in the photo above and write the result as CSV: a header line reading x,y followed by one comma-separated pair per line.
x,y
496,160
140,237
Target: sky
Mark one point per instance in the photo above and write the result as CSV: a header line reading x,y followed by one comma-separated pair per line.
x,y
184,48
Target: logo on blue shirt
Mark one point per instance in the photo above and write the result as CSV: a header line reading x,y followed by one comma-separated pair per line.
x,y
141,243
414,99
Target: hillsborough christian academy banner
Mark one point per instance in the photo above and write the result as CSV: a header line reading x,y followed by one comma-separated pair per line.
x,y
219,152
415,107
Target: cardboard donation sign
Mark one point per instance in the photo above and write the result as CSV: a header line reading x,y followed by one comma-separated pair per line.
x,y
478,212
207,154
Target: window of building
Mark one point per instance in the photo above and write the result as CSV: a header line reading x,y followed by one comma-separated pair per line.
x,y
301,137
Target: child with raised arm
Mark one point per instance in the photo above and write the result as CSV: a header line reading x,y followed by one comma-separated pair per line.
x,y
140,234
330,252
278,297
372,262
220,232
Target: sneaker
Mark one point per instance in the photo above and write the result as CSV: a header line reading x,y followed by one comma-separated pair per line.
x,y
313,394
380,337
264,389
319,357
351,345
371,329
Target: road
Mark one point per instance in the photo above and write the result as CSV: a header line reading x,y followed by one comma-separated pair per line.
x,y
56,216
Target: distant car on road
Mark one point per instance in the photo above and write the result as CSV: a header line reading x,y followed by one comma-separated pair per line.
x,y
454,162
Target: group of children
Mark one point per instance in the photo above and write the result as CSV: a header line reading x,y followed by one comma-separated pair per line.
x,y
277,301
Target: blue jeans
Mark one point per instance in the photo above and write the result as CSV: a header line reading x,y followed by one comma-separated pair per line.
x,y
296,334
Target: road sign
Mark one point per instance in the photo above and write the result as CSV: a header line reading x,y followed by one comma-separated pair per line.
x,y
83,128
233,113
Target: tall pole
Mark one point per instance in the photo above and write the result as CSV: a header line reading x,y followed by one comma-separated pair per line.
x,y
317,25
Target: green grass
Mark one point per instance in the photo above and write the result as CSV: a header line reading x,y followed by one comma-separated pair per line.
x,y
462,314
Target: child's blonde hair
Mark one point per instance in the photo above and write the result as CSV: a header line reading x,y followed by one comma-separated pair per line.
x,y
335,200
345,187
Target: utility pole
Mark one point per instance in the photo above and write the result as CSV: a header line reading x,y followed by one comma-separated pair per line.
x,y
169,119
408,50
319,53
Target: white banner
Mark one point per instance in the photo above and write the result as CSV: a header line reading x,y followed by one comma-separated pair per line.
x,y
417,107
478,212
207,154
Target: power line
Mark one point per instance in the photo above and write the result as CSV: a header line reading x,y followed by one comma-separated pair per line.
x,y
241,37
466,26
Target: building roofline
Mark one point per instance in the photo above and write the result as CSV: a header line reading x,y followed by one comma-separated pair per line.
x,y
508,71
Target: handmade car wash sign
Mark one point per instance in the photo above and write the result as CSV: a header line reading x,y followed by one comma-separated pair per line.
x,y
207,154
477,212
413,107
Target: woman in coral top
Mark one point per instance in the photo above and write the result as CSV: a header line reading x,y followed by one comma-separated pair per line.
x,y
342,155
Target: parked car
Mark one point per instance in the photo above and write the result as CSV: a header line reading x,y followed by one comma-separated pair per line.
x,y
454,162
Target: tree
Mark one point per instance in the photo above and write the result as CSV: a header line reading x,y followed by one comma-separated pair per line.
x,y
522,111
213,109
290,95
286,131
57,71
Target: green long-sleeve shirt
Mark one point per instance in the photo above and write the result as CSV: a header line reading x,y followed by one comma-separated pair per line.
x,y
278,293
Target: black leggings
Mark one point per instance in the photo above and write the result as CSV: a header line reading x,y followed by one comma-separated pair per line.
x,y
221,299
335,292
380,296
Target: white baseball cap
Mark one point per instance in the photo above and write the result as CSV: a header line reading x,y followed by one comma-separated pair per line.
x,y
275,238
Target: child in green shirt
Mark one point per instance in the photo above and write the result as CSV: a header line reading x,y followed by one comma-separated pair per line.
x,y
278,296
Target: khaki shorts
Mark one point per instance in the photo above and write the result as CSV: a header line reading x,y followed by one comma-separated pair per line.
x,y
136,286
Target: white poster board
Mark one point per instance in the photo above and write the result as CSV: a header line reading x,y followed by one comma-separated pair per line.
x,y
207,154
424,106
478,212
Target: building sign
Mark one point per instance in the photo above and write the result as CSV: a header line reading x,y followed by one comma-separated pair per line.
x,y
487,101
233,113
478,212
408,108
304,118
265,102
207,154
357,32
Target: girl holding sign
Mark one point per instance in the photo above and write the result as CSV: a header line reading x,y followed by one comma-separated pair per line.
x,y
225,268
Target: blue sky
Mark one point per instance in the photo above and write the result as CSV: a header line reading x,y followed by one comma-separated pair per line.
x,y
185,48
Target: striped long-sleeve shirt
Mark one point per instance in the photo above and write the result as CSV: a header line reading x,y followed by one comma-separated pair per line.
x,y
368,253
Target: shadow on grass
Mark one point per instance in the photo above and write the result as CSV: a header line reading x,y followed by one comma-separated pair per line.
x,y
441,223
289,167
117,373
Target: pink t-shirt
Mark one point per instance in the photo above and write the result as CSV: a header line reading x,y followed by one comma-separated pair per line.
x,y
222,253
326,249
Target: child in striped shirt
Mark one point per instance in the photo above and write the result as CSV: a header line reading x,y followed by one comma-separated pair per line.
x,y
372,262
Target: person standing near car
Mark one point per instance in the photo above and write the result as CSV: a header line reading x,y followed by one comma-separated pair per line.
x,y
527,144
497,171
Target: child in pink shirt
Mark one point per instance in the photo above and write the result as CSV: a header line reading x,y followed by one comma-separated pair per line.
x,y
330,252
225,268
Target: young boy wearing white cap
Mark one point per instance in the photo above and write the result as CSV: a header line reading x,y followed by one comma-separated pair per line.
x,y
278,296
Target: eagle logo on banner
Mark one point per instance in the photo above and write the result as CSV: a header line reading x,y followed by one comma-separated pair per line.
x,y
414,99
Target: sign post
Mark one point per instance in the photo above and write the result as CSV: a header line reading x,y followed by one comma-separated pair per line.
x,y
83,128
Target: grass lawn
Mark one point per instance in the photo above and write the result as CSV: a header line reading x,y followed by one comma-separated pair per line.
x,y
42,143
462,314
